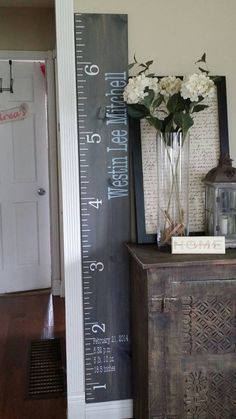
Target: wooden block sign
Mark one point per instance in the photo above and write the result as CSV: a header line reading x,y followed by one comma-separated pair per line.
x,y
198,245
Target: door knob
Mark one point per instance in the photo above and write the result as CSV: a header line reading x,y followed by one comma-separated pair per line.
x,y
41,191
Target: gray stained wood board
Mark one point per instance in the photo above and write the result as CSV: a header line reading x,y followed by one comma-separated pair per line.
x,y
101,67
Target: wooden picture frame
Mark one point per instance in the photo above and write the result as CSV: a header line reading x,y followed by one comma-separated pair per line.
x,y
135,138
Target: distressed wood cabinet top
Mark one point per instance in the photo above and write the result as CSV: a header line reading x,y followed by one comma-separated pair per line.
x,y
148,256
183,334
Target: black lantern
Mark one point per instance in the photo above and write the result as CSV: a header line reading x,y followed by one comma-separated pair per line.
x,y
220,184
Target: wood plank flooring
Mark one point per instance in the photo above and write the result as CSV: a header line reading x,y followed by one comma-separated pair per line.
x,y
22,318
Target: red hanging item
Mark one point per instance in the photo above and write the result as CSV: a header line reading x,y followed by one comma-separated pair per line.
x,y
43,69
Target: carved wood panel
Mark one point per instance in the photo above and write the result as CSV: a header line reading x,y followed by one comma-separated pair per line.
x,y
210,395
209,325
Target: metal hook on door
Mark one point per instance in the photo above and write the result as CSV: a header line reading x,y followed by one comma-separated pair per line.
x,y
7,89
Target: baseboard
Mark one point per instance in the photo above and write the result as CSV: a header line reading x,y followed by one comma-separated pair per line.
x,y
29,292
119,409
56,287
76,407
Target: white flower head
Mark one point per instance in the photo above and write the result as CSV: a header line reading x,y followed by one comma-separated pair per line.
x,y
196,86
134,91
170,85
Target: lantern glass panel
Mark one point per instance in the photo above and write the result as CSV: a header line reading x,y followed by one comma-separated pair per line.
x,y
210,204
227,212
227,201
210,198
224,200
232,201
223,225
232,224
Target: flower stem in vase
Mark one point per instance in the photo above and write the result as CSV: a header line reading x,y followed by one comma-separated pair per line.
x,y
172,169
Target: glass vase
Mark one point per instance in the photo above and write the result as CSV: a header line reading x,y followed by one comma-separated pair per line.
x,y
172,186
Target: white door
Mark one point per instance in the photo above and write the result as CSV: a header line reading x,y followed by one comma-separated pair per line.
x,y
25,261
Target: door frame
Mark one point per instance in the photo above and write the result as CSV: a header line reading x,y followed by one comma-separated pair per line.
x,y
47,56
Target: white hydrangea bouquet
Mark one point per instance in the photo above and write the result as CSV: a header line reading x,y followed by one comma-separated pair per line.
x,y
167,103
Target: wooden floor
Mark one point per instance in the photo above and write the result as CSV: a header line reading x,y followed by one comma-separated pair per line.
x,y
22,318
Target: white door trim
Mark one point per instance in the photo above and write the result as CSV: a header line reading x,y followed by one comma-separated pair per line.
x,y
77,408
47,56
69,168
53,175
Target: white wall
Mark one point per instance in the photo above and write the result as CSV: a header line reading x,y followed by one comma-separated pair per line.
x,y
176,33
27,29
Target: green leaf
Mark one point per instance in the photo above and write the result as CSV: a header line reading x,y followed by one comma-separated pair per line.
x,y
199,108
168,123
137,111
156,123
148,63
156,103
203,71
184,121
135,59
147,101
186,105
176,103
131,65
142,71
200,98
202,59
172,103
142,65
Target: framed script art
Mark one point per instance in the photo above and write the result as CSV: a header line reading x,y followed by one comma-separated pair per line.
x,y
208,138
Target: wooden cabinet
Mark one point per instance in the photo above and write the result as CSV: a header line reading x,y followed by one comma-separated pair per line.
x,y
183,334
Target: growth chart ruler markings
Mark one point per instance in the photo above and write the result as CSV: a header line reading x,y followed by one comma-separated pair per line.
x,y
101,68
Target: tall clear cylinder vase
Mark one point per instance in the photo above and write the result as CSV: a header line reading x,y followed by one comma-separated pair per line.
x,y
173,186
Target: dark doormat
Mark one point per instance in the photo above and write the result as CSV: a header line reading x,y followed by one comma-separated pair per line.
x,y
46,373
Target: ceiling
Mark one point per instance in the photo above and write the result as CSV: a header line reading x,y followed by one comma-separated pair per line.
x,y
26,3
